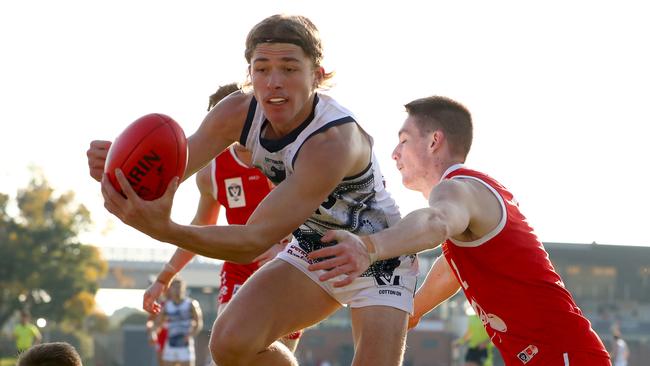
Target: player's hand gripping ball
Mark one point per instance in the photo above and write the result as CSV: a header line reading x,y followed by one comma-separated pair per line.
x,y
150,151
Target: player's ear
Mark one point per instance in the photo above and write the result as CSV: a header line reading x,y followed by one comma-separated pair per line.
x,y
434,139
319,75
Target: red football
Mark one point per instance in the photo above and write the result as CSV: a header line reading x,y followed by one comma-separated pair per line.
x,y
150,151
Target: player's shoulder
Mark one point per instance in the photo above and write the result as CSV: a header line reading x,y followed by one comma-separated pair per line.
x,y
454,189
231,111
236,101
333,141
338,148
344,135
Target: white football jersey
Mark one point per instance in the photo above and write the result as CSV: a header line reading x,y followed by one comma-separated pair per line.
x,y
359,204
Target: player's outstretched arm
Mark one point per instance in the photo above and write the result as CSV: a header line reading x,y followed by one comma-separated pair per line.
x,y
220,128
449,215
323,162
439,285
206,214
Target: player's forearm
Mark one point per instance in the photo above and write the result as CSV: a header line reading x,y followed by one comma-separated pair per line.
x,y
432,294
176,263
234,243
181,258
435,290
420,230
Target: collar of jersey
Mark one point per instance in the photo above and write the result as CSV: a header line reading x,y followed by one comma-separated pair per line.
x,y
277,145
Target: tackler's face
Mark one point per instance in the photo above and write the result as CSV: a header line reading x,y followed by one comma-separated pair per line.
x,y
410,156
284,80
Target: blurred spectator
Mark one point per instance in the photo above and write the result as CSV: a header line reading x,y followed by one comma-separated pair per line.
x,y
479,346
26,334
620,351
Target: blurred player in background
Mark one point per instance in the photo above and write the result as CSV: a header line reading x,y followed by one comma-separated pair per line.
x,y
184,320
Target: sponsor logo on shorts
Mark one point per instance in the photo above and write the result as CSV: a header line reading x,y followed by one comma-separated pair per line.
x,y
527,354
390,292
297,252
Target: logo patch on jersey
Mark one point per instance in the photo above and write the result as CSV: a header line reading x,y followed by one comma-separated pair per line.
x,y
274,170
235,192
527,354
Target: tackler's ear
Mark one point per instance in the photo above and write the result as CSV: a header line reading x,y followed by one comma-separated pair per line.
x,y
434,139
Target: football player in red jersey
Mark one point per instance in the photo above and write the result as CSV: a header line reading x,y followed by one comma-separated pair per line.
x,y
489,249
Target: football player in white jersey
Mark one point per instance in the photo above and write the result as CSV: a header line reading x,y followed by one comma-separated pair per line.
x,y
326,177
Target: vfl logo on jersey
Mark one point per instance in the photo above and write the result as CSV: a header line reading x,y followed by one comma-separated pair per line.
x,y
274,170
527,354
388,279
235,192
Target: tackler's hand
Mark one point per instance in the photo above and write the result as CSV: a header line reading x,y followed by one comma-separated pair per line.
x,y
349,257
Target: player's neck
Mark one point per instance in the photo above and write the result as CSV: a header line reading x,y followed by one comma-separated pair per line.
x,y
243,154
442,165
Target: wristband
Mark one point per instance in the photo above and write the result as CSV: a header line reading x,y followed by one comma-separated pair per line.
x,y
370,248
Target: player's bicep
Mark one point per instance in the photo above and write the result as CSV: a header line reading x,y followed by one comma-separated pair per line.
x,y
285,208
317,171
453,201
220,128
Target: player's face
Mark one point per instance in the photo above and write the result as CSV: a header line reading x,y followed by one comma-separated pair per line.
x,y
176,291
284,80
411,157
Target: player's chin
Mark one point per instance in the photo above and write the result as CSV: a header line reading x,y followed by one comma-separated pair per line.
x,y
407,182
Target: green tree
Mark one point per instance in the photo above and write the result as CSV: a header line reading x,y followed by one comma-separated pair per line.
x,y
43,267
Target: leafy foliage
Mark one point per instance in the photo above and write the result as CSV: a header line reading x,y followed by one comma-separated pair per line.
x,y
43,267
